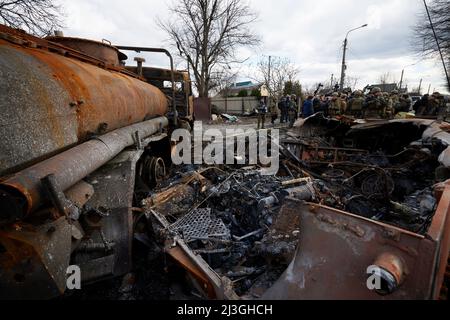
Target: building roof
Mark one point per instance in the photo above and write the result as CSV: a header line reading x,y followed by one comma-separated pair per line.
x,y
235,88
386,87
242,84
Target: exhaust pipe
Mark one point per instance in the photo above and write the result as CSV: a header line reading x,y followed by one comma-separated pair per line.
x,y
23,193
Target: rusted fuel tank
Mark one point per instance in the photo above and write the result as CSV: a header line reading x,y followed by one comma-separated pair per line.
x,y
79,131
50,102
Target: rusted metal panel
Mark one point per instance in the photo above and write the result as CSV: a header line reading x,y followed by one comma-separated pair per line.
x,y
202,109
50,102
36,259
440,233
335,250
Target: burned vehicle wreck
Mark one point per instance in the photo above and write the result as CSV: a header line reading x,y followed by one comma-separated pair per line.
x,y
81,132
348,198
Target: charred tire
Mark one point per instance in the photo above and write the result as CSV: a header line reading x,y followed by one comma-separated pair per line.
x,y
152,170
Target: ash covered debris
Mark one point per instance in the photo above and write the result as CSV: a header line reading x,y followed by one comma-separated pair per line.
x,y
384,171
235,224
236,231
238,223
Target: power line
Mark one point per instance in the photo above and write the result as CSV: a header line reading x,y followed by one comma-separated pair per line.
x,y
437,42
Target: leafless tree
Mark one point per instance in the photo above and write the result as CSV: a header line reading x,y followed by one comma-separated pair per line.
x,y
352,82
223,80
208,33
385,78
38,17
424,41
281,71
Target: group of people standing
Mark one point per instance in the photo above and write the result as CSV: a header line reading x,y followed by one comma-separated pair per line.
x,y
287,109
374,104
433,105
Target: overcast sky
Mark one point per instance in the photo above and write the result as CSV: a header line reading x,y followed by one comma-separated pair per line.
x,y
309,32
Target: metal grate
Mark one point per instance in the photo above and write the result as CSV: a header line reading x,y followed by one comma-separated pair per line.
x,y
199,225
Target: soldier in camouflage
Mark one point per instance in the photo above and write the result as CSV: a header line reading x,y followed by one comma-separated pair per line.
x,y
375,104
395,98
293,110
389,110
344,103
404,103
355,105
335,107
436,105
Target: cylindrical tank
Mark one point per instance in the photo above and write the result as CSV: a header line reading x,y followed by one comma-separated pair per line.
x,y
50,102
103,51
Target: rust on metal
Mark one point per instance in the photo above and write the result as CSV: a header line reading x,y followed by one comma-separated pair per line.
x,y
41,253
183,260
64,101
100,50
202,109
74,164
331,253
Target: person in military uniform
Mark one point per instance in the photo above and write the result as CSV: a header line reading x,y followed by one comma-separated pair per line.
x,y
262,111
295,105
404,103
395,98
389,110
344,103
293,112
441,103
273,109
375,104
334,108
435,106
420,107
282,105
394,101
355,105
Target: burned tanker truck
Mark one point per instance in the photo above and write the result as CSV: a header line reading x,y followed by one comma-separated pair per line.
x,y
81,135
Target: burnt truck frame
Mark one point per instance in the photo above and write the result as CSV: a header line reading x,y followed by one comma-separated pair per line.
x,y
74,204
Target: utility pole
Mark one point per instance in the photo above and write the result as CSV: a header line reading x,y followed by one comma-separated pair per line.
x,y
332,80
429,88
420,86
268,80
401,80
437,42
344,66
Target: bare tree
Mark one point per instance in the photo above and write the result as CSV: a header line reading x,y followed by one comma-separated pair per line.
x,y
351,82
424,41
38,17
207,33
275,76
385,78
224,79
